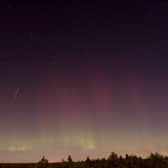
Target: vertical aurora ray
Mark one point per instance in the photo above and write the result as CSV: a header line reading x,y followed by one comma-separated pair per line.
x,y
83,81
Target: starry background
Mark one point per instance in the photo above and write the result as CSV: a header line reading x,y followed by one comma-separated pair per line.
x,y
83,79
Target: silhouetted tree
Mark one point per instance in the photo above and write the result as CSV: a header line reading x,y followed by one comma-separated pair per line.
x,y
70,159
43,163
113,156
88,159
113,160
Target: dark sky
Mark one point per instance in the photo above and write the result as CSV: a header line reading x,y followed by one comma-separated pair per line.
x,y
83,79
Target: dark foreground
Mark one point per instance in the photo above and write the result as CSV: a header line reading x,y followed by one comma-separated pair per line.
x,y
113,161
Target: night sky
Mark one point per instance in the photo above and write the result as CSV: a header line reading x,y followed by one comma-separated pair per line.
x,y
83,79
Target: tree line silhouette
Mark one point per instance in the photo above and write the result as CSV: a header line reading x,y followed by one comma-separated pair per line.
x,y
114,161
155,160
